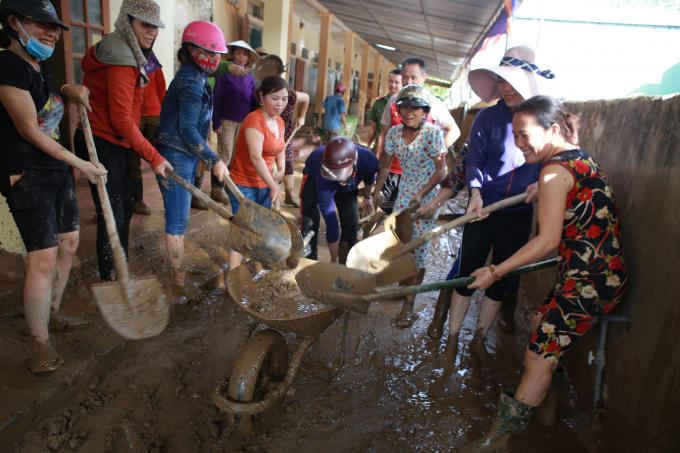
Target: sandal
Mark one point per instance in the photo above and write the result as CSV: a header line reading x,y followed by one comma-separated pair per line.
x,y
404,321
43,357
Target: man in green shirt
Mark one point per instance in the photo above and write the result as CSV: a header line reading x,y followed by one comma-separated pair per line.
x,y
376,112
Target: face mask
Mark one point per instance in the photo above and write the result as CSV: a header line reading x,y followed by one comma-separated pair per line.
x,y
35,47
207,61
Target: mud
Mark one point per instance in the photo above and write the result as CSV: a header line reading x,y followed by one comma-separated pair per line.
x,y
275,294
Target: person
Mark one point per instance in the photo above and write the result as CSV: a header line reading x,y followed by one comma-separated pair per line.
x,y
182,135
294,97
577,214
333,115
420,148
496,170
375,114
413,72
34,176
115,74
234,100
154,93
331,178
259,143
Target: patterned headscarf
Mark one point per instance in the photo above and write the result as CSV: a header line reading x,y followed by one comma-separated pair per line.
x,y
146,11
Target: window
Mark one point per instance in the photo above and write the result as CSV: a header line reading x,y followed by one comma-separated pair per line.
x,y
88,21
293,49
316,57
255,36
305,53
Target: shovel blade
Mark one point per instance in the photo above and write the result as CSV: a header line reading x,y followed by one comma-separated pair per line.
x,y
134,309
402,225
329,283
369,227
259,234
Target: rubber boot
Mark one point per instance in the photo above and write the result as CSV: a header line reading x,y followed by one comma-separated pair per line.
x,y
546,411
511,418
289,199
217,193
195,202
138,196
478,349
441,310
507,317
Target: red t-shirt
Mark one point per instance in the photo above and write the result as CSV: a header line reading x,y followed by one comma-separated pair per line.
x,y
396,121
242,170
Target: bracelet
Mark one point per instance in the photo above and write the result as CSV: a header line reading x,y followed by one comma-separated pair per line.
x,y
368,197
492,268
61,90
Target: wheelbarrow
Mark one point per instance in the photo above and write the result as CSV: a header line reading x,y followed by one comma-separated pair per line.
x,y
262,375
351,132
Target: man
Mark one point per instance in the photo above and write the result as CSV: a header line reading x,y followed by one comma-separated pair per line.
x,y
375,114
412,73
333,113
331,177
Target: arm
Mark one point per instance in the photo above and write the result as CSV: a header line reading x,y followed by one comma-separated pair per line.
x,y
476,161
160,85
384,169
371,133
303,102
280,167
21,109
439,173
451,134
255,142
228,67
451,185
555,183
380,149
343,120
320,122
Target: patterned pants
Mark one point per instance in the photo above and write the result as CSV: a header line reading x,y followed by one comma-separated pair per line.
x,y
226,142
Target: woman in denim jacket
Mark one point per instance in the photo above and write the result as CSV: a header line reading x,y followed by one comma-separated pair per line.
x,y
182,133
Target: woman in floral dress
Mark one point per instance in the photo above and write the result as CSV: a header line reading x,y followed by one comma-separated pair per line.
x,y
577,215
420,148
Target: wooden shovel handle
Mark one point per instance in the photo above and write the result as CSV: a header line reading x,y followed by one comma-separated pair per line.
x,y
212,204
456,223
119,258
232,187
290,139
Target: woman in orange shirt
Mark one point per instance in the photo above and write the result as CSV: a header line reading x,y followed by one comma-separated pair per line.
x,y
259,143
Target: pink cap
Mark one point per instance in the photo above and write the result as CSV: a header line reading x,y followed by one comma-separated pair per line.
x,y
206,35
341,88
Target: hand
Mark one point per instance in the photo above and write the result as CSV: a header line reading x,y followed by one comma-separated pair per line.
x,y
427,211
532,190
219,169
347,127
476,205
416,201
278,177
237,70
218,130
484,278
377,199
160,169
319,123
91,171
367,205
77,94
300,122
275,194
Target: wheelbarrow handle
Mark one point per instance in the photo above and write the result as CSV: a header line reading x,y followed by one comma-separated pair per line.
x,y
455,283
212,204
427,237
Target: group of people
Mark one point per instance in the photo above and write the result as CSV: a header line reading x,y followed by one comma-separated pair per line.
x,y
526,142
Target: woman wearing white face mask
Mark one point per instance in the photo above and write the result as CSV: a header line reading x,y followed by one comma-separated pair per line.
x,y
34,176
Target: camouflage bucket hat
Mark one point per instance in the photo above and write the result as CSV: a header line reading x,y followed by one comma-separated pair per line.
x,y
145,10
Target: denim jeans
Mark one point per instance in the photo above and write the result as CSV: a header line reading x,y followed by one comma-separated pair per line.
x,y
254,194
176,199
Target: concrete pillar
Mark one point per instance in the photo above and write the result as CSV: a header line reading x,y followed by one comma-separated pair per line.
x,y
290,36
347,67
322,74
275,29
376,77
363,82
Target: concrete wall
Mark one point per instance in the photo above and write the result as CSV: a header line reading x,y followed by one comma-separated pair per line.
x,y
637,142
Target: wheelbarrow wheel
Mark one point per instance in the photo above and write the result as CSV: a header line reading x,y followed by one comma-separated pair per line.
x,y
262,363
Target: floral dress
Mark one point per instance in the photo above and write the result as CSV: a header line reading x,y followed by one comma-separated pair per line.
x,y
591,263
417,166
287,116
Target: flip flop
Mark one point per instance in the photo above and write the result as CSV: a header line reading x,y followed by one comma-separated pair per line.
x,y
43,357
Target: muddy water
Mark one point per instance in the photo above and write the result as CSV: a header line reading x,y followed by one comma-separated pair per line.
x,y
275,294
391,396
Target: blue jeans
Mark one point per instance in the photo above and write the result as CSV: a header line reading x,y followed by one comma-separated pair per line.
x,y
176,199
254,194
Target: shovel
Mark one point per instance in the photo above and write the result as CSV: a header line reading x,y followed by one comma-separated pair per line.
x,y
263,238
297,242
360,303
382,253
135,309
399,221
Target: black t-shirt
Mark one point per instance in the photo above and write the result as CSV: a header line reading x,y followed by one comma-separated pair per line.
x,y
17,154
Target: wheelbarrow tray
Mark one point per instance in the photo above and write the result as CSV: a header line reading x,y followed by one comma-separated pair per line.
x,y
312,324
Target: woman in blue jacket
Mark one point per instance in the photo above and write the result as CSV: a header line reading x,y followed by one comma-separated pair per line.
x,y
182,133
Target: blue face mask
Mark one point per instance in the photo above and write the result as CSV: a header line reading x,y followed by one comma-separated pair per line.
x,y
35,47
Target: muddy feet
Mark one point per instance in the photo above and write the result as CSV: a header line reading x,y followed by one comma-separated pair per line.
x,y
507,314
406,318
191,292
141,208
289,200
219,195
478,349
441,310
43,357
448,357
198,204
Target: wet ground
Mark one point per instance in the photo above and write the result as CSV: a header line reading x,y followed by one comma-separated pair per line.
x,y
390,394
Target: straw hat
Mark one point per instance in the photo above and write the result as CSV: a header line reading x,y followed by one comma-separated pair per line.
x,y
518,67
253,55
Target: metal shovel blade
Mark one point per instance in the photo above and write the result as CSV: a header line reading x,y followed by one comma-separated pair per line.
x,y
297,242
321,282
402,225
369,227
134,309
259,234
366,256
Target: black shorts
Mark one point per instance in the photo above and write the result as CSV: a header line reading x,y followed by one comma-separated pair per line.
x,y
43,204
390,192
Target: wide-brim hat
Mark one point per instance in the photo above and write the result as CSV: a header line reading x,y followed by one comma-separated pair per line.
x,y
145,10
41,10
518,68
240,43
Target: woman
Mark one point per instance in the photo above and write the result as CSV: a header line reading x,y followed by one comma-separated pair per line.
x,y
578,216
496,170
182,133
234,100
34,175
259,143
419,146
287,115
115,75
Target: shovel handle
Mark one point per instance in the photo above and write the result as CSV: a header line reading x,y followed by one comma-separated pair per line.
x,y
119,258
212,204
290,139
455,283
234,189
427,237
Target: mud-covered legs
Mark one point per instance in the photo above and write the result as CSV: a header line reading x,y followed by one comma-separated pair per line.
x,y
406,318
